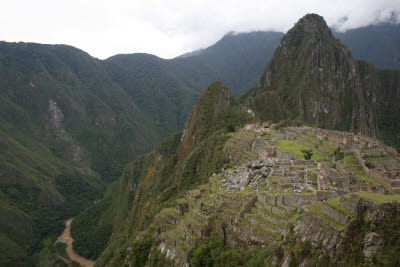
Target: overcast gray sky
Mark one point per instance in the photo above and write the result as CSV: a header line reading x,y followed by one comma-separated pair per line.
x,y
168,28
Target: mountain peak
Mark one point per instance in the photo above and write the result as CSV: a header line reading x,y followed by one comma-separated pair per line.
x,y
310,23
312,77
312,19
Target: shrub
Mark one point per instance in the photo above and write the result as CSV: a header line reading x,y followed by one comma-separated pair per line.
x,y
307,153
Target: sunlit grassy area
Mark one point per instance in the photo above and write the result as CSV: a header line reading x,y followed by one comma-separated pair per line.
x,y
363,177
295,148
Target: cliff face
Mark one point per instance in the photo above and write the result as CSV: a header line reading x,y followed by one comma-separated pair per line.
x,y
314,78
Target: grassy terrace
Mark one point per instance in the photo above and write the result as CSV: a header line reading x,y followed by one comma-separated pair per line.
x,y
259,229
364,177
380,198
316,210
334,203
314,138
295,148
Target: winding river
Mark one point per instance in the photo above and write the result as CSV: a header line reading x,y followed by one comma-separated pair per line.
x,y
66,238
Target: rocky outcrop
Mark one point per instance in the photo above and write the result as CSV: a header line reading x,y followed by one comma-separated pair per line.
x,y
64,140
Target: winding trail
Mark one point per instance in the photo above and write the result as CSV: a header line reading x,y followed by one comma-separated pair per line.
x,y
66,238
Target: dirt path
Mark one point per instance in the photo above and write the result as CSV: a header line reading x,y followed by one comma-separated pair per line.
x,y
66,238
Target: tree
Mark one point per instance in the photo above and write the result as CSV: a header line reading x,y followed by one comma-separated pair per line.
x,y
338,154
307,153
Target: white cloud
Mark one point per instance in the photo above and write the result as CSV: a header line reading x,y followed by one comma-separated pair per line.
x,y
169,28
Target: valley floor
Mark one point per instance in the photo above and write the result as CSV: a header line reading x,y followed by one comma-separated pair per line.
x,y
66,238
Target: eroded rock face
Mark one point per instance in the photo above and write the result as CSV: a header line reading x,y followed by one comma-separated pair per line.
x,y
372,243
56,115
71,149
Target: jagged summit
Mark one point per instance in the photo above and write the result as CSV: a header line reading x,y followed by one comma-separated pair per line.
x,y
311,30
311,23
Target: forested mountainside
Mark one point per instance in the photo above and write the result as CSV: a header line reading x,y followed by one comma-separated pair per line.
x,y
258,200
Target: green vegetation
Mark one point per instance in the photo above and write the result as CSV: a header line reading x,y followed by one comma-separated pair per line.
x,y
338,154
368,178
139,251
295,148
60,249
90,237
215,253
307,153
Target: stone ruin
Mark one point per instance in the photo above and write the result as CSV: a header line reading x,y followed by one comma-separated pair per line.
x,y
253,203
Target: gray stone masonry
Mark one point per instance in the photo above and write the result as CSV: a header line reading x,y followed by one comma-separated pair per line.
x,y
334,214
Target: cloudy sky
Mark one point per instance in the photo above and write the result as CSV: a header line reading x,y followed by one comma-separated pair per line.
x,y
168,28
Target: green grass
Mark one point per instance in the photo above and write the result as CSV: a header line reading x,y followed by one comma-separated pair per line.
x,y
327,147
325,142
380,198
309,140
334,203
365,177
312,137
295,148
316,210
313,176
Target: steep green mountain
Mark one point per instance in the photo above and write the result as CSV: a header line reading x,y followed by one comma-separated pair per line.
x,y
312,77
378,44
163,98
180,162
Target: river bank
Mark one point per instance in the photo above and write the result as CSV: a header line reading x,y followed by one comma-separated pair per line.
x,y
66,238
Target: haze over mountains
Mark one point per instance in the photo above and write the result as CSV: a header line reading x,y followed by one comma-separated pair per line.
x,y
70,122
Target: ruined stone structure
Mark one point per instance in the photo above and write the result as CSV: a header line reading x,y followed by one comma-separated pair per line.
x,y
253,203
